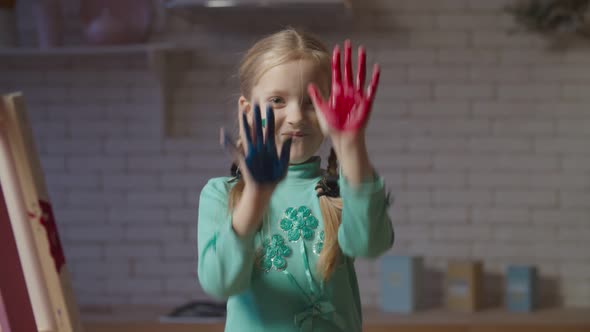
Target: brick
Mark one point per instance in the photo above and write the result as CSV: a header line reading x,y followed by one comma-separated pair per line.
x,y
560,73
181,251
397,92
436,179
561,145
497,144
497,74
463,91
413,232
90,232
574,199
74,180
143,215
505,162
129,250
457,215
439,108
439,38
576,163
518,127
470,21
462,198
153,232
83,129
54,164
438,73
576,92
467,56
415,161
438,144
565,218
500,215
573,128
134,286
168,199
525,198
129,181
516,233
464,233
405,57
85,269
73,147
182,215
180,284
95,163
128,146
178,268
529,92
414,198
84,252
493,39
94,198
77,216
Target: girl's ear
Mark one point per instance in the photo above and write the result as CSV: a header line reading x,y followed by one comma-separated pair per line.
x,y
244,104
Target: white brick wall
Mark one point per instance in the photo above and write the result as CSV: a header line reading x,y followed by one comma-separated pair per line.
x,y
481,136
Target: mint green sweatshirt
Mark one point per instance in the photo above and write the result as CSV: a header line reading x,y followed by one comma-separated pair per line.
x,y
270,278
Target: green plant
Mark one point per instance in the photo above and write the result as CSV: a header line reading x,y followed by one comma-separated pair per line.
x,y
553,17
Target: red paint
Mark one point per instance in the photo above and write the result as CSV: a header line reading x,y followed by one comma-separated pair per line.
x,y
348,107
48,221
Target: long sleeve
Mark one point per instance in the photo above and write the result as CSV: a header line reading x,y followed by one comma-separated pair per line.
x,y
225,259
366,229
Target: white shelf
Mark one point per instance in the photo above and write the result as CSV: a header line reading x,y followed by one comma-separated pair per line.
x,y
88,50
251,3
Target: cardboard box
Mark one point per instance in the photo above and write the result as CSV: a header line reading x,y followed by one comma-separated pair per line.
x,y
400,283
464,286
521,288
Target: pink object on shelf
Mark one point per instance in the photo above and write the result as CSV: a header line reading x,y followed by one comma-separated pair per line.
x,y
108,22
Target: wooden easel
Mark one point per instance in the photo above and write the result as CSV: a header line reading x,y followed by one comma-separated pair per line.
x,y
34,233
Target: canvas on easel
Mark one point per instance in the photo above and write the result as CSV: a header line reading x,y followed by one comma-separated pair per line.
x,y
32,220
16,312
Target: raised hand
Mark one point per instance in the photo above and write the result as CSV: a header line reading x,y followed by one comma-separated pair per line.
x,y
348,107
261,162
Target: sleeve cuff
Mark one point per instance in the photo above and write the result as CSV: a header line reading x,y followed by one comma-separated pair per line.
x,y
368,186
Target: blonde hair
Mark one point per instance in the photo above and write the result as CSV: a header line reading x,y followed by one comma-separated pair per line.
x,y
271,51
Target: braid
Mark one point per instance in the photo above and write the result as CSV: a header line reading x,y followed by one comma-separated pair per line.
x,y
331,206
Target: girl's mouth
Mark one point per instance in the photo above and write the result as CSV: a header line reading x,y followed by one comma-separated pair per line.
x,y
295,134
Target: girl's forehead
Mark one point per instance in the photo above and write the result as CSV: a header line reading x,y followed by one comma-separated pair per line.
x,y
292,76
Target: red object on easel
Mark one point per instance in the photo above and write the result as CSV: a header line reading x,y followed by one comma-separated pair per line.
x,y
16,311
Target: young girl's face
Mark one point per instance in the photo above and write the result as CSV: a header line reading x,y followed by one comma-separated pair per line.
x,y
284,87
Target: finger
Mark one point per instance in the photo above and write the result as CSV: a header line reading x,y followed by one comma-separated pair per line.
x,y
319,104
270,130
258,127
348,64
247,133
286,153
336,67
362,69
373,85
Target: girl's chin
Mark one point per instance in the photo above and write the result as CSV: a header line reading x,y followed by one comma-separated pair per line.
x,y
299,158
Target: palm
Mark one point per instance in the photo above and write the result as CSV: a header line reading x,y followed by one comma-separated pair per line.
x,y
348,107
261,160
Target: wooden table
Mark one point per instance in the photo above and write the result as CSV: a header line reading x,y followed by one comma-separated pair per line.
x,y
439,320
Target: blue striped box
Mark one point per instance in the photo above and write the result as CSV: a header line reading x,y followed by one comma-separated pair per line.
x,y
521,288
400,278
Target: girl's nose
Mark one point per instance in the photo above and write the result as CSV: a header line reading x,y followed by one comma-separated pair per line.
x,y
294,115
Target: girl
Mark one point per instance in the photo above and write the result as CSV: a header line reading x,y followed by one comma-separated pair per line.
x,y
279,238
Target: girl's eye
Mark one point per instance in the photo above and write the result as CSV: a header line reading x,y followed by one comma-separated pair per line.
x,y
277,101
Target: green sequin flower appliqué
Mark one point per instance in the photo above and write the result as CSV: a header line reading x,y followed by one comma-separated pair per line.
x,y
319,245
273,254
299,223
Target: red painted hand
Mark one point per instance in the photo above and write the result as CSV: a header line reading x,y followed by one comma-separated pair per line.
x,y
348,107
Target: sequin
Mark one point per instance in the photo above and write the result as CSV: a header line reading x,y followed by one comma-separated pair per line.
x,y
299,223
319,245
273,254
